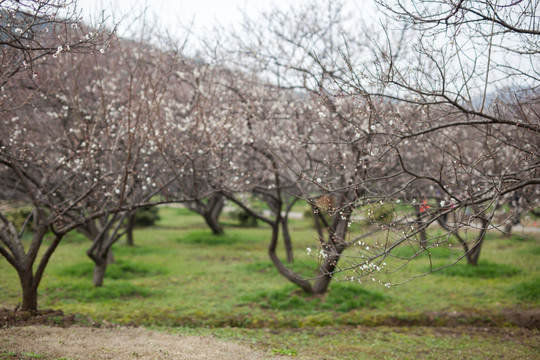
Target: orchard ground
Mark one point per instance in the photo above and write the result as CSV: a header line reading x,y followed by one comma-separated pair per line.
x,y
182,288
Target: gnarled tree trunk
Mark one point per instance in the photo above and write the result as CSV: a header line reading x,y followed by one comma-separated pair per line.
x,y
103,233
473,255
287,240
130,225
332,247
335,247
30,276
212,211
101,262
29,290
422,232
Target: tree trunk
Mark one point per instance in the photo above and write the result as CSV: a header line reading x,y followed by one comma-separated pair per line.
x,y
213,223
474,253
287,240
326,269
101,262
510,223
102,240
508,228
29,290
282,269
211,212
29,279
129,230
99,273
422,232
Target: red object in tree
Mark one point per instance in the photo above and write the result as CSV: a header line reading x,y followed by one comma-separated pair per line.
x,y
424,207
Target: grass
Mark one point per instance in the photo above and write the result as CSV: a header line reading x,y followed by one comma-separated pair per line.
x,y
231,237
285,351
179,276
484,270
85,292
342,298
121,269
528,291
535,250
7,354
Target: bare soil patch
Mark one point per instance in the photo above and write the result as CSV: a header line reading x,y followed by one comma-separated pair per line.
x,y
9,318
47,342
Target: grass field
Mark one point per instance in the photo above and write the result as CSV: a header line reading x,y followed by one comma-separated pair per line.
x,y
180,278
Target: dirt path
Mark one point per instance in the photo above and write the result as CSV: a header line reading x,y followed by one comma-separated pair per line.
x,y
115,343
83,343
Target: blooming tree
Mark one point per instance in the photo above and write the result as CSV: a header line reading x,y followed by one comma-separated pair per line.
x,y
33,167
437,128
32,30
81,145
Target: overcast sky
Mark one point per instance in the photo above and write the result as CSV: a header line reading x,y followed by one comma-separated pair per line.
x,y
173,14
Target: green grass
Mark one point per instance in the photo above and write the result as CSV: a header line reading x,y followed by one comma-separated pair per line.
x,y
341,298
75,237
484,270
527,290
7,354
85,292
205,237
285,351
264,267
535,250
182,277
33,355
121,269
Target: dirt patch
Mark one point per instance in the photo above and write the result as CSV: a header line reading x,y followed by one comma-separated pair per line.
x,y
51,334
9,318
529,319
77,342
